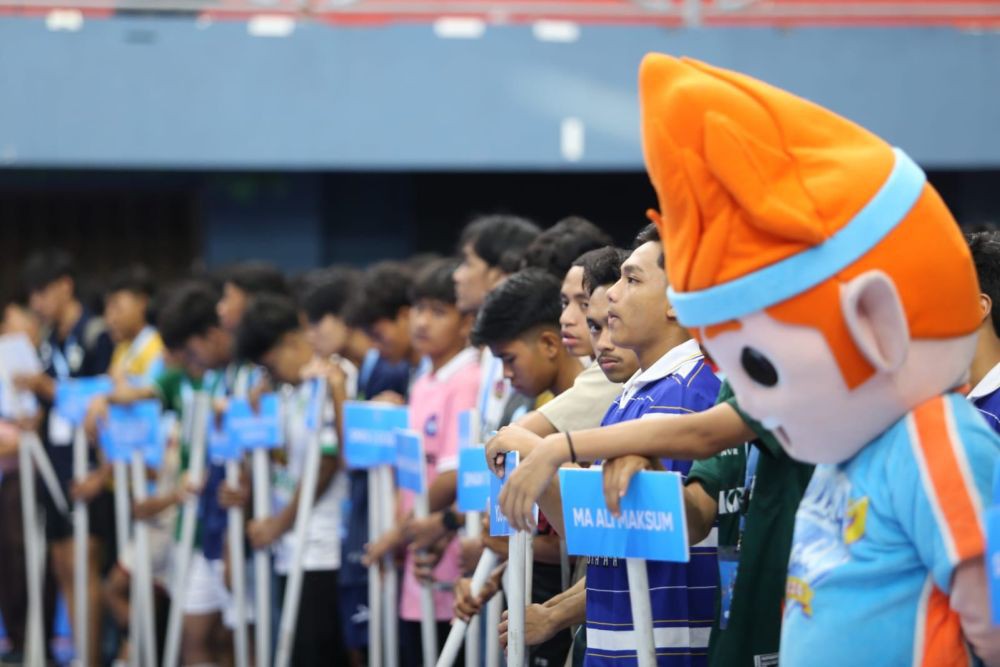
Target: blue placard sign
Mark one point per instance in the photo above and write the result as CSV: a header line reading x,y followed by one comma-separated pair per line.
x,y
133,427
221,447
466,418
499,526
473,479
73,397
411,471
370,433
254,430
652,524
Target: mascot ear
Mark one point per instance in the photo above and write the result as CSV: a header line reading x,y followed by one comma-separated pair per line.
x,y
874,315
763,179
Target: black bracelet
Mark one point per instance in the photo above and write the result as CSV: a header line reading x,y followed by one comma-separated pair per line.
x,y
572,452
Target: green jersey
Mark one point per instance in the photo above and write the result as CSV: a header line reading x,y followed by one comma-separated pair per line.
x,y
766,500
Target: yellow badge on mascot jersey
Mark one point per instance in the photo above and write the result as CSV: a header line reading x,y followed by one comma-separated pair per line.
x,y
830,283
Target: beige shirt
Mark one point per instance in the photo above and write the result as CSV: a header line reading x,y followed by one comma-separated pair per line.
x,y
584,404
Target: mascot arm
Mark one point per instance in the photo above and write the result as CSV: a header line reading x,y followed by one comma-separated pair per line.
x,y
969,600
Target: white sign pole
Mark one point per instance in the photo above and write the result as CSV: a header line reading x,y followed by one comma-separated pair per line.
x,y
122,532
474,530
515,598
428,620
390,586
494,610
189,520
237,569
307,496
262,559
81,530
142,572
375,501
34,645
484,567
642,614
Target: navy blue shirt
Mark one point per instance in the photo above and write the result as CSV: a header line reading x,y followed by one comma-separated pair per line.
x,y
376,376
85,352
986,398
682,595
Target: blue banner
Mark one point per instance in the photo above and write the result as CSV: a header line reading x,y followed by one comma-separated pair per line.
x,y
466,419
133,427
220,446
370,433
411,470
73,397
473,479
499,526
254,430
652,524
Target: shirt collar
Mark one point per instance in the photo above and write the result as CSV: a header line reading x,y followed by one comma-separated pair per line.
x,y
664,366
455,364
987,385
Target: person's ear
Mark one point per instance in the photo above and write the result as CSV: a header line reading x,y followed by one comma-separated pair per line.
x,y
985,306
550,343
875,318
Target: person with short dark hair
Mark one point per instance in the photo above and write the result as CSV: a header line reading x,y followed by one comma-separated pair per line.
x,y
241,282
557,247
138,353
491,248
441,332
486,244
15,319
190,326
519,322
326,304
673,380
271,334
78,345
985,373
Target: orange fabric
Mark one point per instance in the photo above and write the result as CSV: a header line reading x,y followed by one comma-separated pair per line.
x,y
949,485
748,175
944,645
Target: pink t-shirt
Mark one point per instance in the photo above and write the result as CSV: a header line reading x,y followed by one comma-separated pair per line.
x,y
435,401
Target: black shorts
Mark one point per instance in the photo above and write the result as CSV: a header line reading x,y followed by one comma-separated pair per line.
x,y
318,639
59,526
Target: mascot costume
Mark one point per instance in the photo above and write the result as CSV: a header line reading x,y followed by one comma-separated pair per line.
x,y
832,286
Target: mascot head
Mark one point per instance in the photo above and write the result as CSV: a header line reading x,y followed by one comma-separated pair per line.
x,y
814,262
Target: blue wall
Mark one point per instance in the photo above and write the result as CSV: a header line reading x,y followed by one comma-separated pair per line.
x,y
172,93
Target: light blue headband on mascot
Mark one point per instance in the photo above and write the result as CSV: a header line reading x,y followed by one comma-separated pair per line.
x,y
791,276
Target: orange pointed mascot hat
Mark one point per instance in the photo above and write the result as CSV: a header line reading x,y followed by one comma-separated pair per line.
x,y
770,202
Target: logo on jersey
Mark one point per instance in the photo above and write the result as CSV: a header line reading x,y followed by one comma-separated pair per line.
x,y
431,426
821,528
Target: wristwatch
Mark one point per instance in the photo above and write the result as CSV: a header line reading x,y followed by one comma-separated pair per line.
x,y
450,520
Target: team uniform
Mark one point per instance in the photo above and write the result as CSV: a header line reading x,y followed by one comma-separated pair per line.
x,y
375,376
758,488
436,399
871,565
986,397
682,596
318,630
85,352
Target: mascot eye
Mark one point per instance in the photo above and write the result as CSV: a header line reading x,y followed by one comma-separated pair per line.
x,y
758,367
